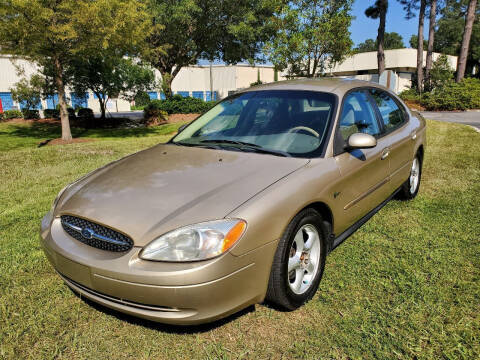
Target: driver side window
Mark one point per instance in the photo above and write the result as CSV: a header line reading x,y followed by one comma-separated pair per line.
x,y
358,116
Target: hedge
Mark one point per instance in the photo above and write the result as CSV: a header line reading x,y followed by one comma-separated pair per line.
x,y
454,96
31,114
180,105
51,113
11,114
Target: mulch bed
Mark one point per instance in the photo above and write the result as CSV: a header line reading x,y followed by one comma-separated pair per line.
x,y
174,118
60,141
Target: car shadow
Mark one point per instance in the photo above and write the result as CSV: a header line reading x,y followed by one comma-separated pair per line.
x,y
167,328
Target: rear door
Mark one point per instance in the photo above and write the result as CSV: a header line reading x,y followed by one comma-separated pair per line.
x,y
397,133
364,172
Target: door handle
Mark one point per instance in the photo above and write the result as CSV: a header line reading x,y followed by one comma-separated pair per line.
x,y
385,153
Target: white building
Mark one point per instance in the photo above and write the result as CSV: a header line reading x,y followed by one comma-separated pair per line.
x,y
191,81
197,81
402,64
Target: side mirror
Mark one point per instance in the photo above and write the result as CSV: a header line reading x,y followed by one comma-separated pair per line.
x,y
181,128
361,141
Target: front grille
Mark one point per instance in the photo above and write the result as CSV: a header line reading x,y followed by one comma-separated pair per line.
x,y
95,235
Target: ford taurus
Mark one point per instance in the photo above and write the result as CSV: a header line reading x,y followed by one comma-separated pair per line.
x,y
241,206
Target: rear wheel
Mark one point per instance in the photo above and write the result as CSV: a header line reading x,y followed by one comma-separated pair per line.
x,y
299,261
410,188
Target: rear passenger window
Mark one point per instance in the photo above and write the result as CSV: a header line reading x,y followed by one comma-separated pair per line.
x,y
393,117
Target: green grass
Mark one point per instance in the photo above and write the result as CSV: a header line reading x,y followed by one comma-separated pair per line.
x,y
406,285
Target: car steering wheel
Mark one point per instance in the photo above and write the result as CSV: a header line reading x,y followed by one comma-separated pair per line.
x,y
305,128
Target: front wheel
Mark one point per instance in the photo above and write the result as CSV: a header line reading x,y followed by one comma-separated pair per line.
x,y
299,261
410,188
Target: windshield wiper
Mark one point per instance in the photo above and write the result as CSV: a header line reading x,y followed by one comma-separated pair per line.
x,y
245,146
235,142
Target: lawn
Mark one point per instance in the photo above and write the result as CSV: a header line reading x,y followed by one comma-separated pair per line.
x,y
406,285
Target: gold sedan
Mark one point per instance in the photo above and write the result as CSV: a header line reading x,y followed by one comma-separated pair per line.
x,y
241,206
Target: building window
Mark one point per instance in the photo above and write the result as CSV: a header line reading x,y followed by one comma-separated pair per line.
x,y
209,96
183,93
79,100
198,94
7,101
52,101
153,95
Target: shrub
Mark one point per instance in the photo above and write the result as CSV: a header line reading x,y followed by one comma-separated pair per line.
x,y
12,114
153,115
51,113
85,113
454,96
440,74
178,104
71,114
141,99
409,95
30,114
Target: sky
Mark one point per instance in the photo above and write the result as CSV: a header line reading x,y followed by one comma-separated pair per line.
x,y
363,28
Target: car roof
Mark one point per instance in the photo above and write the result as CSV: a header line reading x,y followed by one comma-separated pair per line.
x,y
331,85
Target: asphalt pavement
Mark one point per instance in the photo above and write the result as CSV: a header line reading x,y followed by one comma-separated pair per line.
x,y
471,118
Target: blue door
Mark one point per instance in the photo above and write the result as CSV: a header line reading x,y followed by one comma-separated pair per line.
x,y
52,101
7,101
79,100
198,94
183,93
153,95
38,106
209,96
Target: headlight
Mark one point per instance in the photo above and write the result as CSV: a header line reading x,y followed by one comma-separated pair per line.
x,y
195,242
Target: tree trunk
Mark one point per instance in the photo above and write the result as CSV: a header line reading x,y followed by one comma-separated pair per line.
x,y
467,33
66,132
102,108
431,38
381,40
421,18
167,83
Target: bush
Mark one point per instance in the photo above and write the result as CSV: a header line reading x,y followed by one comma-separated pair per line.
x,y
71,114
85,113
153,115
452,96
11,114
141,99
51,113
30,114
181,105
409,95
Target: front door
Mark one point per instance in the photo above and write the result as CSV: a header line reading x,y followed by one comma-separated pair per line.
x,y
364,172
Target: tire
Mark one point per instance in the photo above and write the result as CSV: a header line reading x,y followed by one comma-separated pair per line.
x,y
291,290
409,188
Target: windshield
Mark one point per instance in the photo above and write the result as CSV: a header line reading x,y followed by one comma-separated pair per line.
x,y
280,122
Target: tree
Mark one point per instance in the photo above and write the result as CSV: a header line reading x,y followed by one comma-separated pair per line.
x,y
392,40
379,11
110,76
184,31
448,37
410,6
413,42
310,36
431,39
441,72
53,33
29,92
467,34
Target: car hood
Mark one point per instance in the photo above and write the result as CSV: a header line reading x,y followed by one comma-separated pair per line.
x,y
165,187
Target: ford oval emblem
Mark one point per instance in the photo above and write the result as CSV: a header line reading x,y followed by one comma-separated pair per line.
x,y
87,233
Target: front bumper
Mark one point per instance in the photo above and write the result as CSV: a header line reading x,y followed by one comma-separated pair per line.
x,y
175,293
